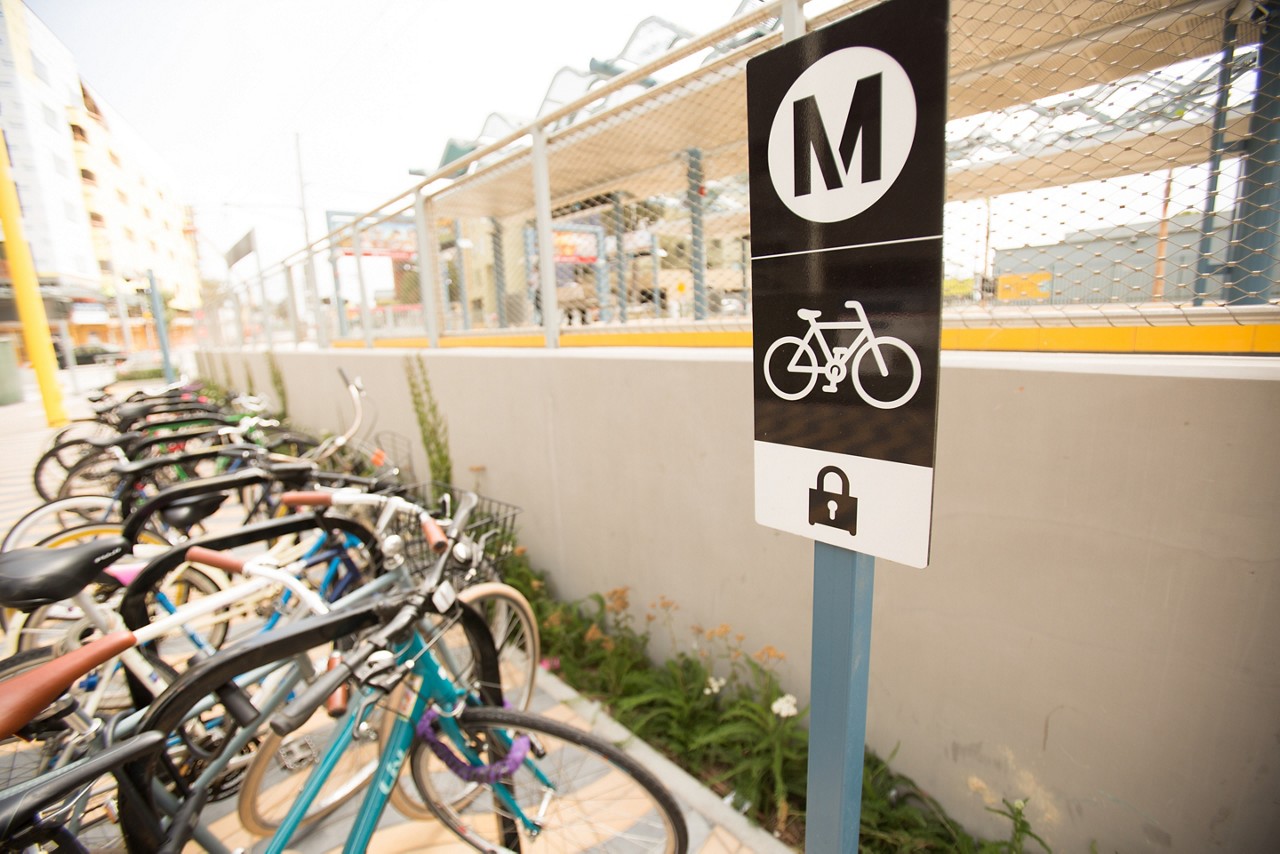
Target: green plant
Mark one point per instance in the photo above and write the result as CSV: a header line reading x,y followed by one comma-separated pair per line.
x,y
1020,833
671,706
738,732
277,383
144,374
431,422
898,816
767,748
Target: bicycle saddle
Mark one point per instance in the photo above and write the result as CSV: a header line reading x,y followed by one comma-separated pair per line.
x,y
809,313
118,440
33,577
186,512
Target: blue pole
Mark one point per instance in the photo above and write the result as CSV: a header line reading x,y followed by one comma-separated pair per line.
x,y
843,583
162,328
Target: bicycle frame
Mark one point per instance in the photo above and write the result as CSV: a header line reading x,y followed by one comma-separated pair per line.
x,y
435,686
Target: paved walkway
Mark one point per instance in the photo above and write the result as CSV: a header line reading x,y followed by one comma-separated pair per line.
x,y
714,828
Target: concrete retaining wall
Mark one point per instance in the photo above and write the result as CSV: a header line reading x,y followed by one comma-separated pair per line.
x,y
1098,630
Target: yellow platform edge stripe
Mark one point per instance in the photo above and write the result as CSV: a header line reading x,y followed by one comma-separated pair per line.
x,y
1260,338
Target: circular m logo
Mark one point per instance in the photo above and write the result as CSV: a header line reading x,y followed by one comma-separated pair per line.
x,y
842,134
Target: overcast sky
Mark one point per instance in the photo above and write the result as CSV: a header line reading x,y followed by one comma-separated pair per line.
x,y
220,89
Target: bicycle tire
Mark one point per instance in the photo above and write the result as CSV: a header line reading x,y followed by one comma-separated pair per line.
x,y
169,711
515,634
51,625
84,428
801,348
91,475
603,796
22,760
50,471
85,533
281,765
48,519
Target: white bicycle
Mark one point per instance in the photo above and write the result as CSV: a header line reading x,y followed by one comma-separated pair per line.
x,y
792,365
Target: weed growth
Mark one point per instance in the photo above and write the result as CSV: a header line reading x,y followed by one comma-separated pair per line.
x,y
721,713
431,422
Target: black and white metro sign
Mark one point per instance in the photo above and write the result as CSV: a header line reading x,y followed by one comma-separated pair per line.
x,y
846,136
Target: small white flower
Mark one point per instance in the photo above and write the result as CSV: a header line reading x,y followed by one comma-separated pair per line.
x,y
713,685
784,706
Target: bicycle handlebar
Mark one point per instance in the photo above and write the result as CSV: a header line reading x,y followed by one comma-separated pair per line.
x,y
437,539
306,499
304,705
222,560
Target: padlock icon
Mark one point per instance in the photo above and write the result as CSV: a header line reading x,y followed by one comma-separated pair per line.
x,y
833,509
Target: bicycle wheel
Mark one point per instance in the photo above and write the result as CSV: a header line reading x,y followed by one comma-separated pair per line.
x,y
790,368
91,820
598,798
281,765
84,428
51,469
186,585
515,634
85,533
48,519
892,388
92,475
65,626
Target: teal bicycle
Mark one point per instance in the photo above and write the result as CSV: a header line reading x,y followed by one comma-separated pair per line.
x,y
501,779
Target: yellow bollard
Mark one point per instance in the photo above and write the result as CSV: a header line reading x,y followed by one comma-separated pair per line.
x,y
26,294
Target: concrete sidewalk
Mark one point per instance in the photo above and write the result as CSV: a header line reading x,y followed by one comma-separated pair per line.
x,y
714,828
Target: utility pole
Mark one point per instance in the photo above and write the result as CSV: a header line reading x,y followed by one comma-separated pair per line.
x,y
26,293
309,269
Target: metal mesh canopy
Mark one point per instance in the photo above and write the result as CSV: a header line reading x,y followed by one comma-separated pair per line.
x,y
1108,162
1003,54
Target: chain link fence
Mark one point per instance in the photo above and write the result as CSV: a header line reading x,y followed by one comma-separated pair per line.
x,y
1110,162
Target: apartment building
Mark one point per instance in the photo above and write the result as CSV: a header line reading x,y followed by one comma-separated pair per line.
x,y
98,207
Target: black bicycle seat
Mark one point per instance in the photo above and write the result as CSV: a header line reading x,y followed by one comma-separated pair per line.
x,y
36,576
186,512
118,440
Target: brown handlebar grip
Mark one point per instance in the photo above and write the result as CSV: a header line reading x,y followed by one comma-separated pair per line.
x,y
306,499
26,695
210,557
436,538
336,705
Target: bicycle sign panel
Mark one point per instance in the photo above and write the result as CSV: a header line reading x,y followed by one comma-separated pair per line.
x,y
847,163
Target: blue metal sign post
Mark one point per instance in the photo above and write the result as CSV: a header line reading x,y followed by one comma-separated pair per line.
x,y
846,137
843,582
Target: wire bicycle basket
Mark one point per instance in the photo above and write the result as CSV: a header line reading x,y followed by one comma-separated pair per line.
x,y
490,531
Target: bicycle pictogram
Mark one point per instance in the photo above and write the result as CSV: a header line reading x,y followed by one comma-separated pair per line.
x,y
792,365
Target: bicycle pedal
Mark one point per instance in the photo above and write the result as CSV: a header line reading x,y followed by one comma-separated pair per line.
x,y
297,754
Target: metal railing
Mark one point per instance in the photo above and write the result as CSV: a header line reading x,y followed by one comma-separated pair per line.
x,y
1114,163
